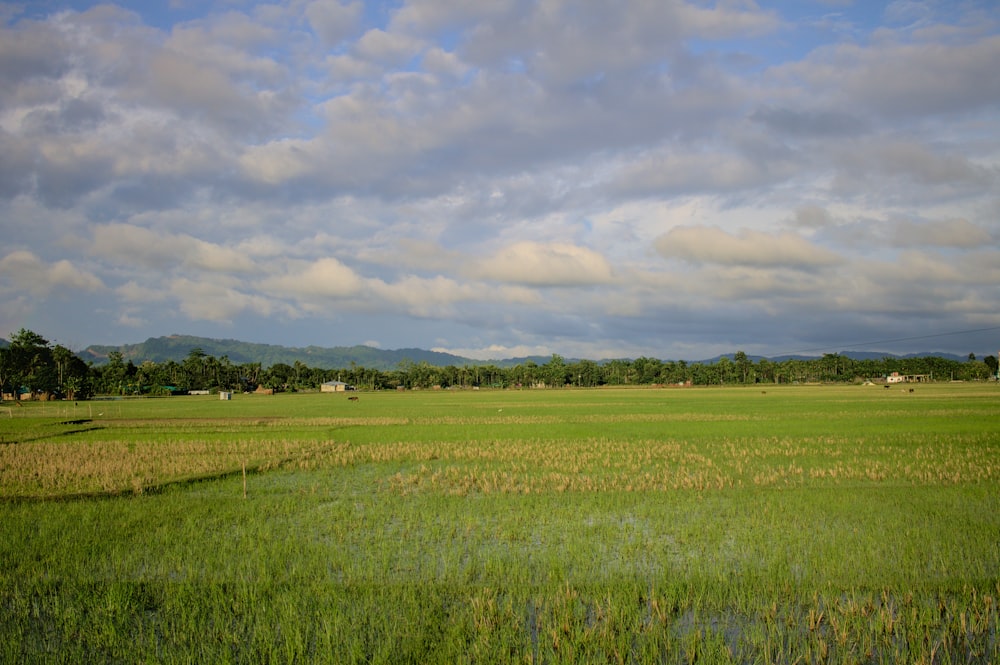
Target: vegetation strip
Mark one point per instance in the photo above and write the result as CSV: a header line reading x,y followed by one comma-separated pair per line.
x,y
32,367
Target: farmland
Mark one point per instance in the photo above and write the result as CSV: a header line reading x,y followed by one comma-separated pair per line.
x,y
834,524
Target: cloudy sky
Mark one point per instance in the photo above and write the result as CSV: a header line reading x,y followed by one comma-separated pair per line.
x,y
669,178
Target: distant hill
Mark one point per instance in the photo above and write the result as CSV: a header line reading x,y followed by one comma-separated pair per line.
x,y
178,347
514,362
853,355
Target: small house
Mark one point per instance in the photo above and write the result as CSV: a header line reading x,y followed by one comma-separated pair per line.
x,y
334,387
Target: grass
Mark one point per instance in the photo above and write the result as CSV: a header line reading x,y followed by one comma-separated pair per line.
x,y
807,524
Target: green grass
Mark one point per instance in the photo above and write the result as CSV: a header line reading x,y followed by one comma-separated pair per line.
x,y
808,524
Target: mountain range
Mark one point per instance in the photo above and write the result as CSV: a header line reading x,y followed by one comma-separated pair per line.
x,y
179,347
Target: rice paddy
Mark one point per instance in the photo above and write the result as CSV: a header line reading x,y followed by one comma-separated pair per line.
x,y
833,524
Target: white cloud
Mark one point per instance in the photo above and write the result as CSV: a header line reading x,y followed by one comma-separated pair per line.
x,y
900,80
325,278
133,292
544,264
497,351
945,233
913,164
278,161
220,301
423,296
437,296
414,254
387,48
440,62
162,251
23,271
129,320
668,174
748,248
333,21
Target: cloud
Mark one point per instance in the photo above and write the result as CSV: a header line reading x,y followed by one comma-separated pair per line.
x,y
426,296
544,264
901,80
810,123
497,351
546,37
813,217
278,161
415,254
959,233
748,248
183,82
908,12
387,48
127,319
696,172
333,21
915,284
440,62
133,292
910,163
220,301
325,278
145,248
30,51
24,272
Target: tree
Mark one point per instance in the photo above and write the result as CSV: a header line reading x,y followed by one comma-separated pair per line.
x,y
647,370
279,375
494,376
766,370
725,366
525,374
113,374
72,374
423,375
976,371
7,371
300,371
992,363
29,365
584,373
616,372
678,372
830,366
706,374
250,374
743,365
194,370
554,371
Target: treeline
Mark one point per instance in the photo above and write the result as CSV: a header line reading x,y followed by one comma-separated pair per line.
x,y
31,365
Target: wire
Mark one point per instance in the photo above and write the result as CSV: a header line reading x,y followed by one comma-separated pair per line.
x,y
898,339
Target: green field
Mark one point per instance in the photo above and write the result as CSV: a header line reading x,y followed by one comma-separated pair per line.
x,y
804,524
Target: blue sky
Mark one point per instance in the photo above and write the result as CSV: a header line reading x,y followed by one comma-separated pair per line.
x,y
504,178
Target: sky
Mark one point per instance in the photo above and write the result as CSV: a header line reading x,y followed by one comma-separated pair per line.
x,y
665,178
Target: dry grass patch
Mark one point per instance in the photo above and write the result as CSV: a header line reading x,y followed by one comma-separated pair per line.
x,y
45,469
